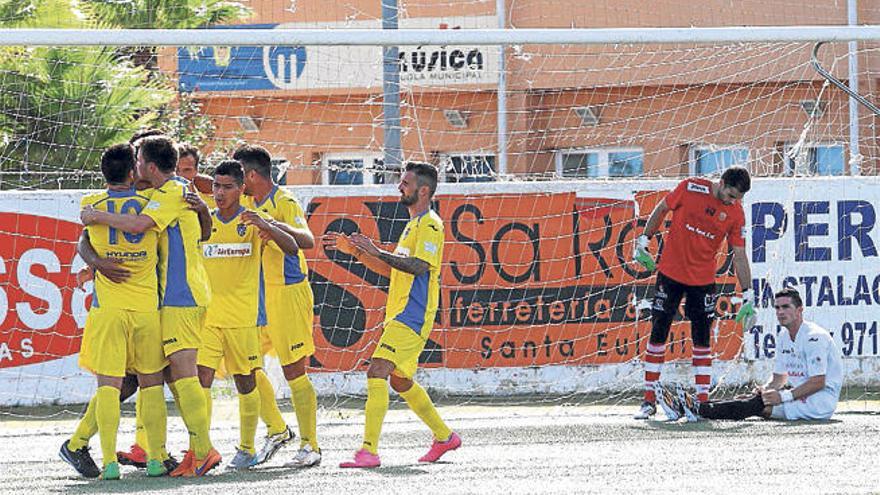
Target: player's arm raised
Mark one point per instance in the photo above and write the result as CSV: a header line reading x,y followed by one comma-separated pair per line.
x,y
134,224
284,240
197,204
408,264
303,236
341,242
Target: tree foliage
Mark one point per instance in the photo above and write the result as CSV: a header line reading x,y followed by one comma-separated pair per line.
x,y
61,106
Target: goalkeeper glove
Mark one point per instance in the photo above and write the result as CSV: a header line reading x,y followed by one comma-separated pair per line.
x,y
746,314
641,254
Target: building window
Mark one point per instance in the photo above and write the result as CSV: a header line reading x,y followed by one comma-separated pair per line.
x,y
467,168
344,169
708,160
815,159
600,162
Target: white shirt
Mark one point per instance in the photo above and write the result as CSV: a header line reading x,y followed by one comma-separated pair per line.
x,y
812,353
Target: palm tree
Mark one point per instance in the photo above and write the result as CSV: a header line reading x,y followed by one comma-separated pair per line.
x,y
163,14
60,107
166,14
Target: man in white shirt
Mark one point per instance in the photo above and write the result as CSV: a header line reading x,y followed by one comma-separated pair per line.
x,y
806,359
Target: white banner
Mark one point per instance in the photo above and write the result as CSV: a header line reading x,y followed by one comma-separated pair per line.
x,y
361,66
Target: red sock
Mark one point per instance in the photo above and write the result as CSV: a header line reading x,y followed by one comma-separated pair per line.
x,y
702,362
654,357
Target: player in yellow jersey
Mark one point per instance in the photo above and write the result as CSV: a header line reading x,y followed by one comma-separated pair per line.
x,y
183,287
233,261
136,455
413,297
123,329
115,272
187,167
290,310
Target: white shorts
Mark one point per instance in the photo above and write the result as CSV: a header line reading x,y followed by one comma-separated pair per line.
x,y
820,405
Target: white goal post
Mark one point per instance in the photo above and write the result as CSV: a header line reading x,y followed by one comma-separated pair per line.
x,y
539,294
413,37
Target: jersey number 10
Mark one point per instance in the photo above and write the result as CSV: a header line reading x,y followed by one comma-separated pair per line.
x,y
130,206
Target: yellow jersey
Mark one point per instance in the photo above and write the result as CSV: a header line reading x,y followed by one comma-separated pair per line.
x,y
413,300
280,268
138,252
182,278
232,259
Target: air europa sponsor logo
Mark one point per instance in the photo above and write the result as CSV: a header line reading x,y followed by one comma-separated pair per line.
x,y
228,250
41,315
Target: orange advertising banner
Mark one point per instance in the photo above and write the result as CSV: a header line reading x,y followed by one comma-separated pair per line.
x,y
528,280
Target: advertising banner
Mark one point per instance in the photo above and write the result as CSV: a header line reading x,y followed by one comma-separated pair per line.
x,y
245,68
530,281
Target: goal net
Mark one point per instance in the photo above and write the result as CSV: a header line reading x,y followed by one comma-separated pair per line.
x,y
551,157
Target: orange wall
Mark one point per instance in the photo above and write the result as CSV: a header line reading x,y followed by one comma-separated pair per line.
x,y
660,98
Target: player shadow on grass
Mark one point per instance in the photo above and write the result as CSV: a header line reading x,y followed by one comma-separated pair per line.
x,y
132,482
405,470
806,422
679,426
385,469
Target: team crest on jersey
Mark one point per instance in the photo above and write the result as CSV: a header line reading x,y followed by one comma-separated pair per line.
x,y
241,229
722,216
700,188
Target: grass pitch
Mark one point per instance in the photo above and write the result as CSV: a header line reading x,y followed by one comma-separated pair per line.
x,y
506,450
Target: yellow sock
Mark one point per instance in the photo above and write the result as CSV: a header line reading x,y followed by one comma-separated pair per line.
x,y
249,416
107,415
153,414
305,405
140,433
174,393
374,412
209,405
269,412
195,414
86,429
417,400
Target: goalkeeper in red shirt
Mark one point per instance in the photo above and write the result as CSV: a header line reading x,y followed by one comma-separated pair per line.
x,y
704,214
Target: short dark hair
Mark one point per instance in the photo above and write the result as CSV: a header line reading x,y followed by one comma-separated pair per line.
x,y
737,177
791,293
159,150
231,168
117,162
426,175
186,149
254,157
137,136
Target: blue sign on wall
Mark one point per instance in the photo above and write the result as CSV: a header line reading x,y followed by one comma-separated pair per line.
x,y
238,68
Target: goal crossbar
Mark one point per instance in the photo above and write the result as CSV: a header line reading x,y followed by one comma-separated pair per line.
x,y
414,37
